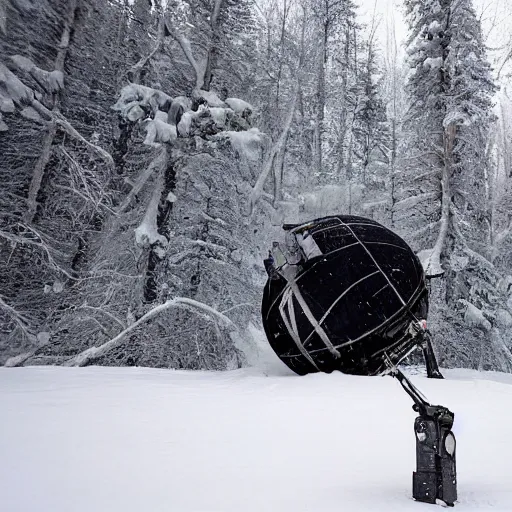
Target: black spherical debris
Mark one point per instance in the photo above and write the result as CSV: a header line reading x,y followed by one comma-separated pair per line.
x,y
342,292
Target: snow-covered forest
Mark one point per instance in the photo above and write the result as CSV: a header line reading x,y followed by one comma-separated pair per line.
x,y
151,150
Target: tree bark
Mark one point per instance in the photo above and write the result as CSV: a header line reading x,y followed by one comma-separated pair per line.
x,y
37,176
392,163
135,70
286,8
344,109
213,46
279,171
321,95
448,142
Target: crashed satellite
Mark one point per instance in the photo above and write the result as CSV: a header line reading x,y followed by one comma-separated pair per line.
x,y
345,293
342,291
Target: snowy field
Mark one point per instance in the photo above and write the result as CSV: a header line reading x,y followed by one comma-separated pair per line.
x,y
131,439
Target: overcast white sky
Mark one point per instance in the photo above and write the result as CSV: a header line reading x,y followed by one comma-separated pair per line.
x,y
496,17
385,11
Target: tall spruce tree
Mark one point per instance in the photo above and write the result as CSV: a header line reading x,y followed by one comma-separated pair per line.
x,y
371,129
450,88
445,177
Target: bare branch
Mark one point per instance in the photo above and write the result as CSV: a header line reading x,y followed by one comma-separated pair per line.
x,y
199,67
20,320
104,312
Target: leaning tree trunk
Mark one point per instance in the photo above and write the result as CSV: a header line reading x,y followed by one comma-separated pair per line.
x,y
213,49
51,129
321,98
434,265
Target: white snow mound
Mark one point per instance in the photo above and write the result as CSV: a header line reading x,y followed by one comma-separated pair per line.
x,y
133,439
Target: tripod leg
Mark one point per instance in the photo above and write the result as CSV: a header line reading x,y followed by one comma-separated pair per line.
x,y
433,371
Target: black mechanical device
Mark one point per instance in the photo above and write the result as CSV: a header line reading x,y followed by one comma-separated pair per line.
x,y
435,478
345,293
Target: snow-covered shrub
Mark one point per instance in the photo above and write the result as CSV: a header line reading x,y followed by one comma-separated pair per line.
x,y
239,106
176,233
137,100
247,144
210,98
158,132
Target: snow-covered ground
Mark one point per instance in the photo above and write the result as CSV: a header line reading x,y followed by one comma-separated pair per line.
x,y
132,439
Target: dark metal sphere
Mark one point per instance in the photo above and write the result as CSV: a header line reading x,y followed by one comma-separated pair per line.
x,y
344,298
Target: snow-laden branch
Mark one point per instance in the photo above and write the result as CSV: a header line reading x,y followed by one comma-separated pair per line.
x,y
94,352
53,83
157,163
146,234
22,95
66,126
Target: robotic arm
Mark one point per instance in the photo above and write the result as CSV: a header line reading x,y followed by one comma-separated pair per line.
x,y
435,477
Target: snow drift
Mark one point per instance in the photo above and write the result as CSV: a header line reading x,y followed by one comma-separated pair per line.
x,y
133,439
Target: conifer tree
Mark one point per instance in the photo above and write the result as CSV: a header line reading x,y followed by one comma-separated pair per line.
x,y
450,88
445,176
371,128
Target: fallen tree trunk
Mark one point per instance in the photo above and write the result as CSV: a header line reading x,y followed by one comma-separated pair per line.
x,y
210,313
